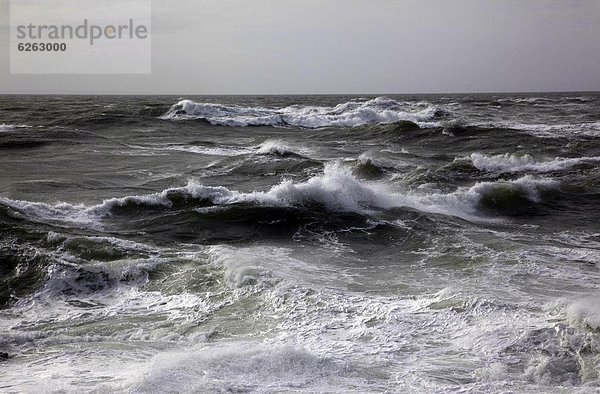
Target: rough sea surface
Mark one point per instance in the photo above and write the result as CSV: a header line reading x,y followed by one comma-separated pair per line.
x,y
422,244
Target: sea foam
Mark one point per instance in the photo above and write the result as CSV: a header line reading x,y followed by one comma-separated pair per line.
x,y
380,110
515,163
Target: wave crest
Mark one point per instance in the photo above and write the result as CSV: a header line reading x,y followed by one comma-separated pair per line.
x,y
336,190
275,148
11,127
380,110
515,163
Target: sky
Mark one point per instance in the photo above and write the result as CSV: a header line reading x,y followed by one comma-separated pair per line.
x,y
351,47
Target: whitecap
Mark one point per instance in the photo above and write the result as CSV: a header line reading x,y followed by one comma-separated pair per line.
x,y
337,189
380,110
515,163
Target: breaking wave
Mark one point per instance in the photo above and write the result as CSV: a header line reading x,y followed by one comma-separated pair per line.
x,y
515,163
275,148
591,129
245,367
380,110
336,190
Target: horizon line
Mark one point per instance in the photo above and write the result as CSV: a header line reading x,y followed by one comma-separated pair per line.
x,y
298,94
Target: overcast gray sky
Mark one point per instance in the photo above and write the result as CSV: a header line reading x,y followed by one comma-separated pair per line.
x,y
353,46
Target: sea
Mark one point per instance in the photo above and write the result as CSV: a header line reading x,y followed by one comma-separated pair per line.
x,y
319,244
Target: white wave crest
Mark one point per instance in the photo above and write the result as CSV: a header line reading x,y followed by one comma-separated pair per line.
x,y
244,367
380,110
337,189
10,127
528,187
6,127
515,163
549,130
38,211
274,147
584,312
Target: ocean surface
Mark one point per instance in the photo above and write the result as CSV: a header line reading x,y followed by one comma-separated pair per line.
x,y
418,244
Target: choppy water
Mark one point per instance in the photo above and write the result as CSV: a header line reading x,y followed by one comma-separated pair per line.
x,y
324,243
